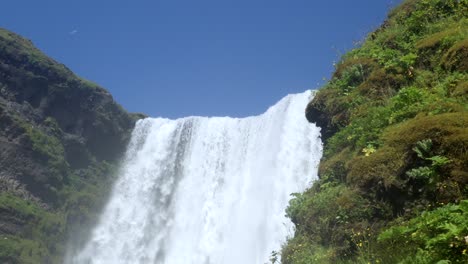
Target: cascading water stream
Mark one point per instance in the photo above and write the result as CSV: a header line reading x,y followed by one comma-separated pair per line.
x,y
202,190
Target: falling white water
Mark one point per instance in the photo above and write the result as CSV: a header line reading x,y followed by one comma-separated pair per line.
x,y
202,190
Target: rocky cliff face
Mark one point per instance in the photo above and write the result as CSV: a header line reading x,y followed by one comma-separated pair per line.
x,y
59,136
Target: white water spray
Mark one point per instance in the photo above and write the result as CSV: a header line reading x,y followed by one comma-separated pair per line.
x,y
202,190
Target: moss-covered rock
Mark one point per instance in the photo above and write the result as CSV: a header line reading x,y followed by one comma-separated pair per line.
x,y
395,122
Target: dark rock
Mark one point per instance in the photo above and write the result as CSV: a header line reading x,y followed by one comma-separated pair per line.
x,y
314,114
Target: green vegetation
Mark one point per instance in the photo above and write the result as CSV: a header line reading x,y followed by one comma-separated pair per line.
x,y
75,196
44,233
40,235
23,49
393,179
51,151
438,236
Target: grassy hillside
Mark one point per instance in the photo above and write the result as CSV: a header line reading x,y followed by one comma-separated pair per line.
x,y
393,178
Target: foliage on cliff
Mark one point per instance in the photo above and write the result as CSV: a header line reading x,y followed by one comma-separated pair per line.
x,y
393,178
60,138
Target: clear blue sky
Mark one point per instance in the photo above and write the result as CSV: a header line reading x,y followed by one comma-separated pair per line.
x,y
175,58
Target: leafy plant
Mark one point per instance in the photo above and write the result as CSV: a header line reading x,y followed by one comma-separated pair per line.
x,y
436,236
423,149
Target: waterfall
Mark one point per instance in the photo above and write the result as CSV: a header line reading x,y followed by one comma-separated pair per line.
x,y
201,190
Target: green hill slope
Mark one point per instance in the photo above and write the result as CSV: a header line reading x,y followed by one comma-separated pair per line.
x,y
393,178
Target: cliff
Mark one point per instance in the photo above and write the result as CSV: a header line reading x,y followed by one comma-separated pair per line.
x,y
393,178
60,137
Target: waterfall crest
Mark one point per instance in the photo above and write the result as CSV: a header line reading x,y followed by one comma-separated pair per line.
x,y
207,190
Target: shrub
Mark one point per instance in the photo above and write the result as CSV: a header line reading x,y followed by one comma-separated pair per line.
x,y
461,91
365,66
299,250
329,214
432,237
335,168
456,57
381,84
361,133
408,102
379,171
440,39
41,234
